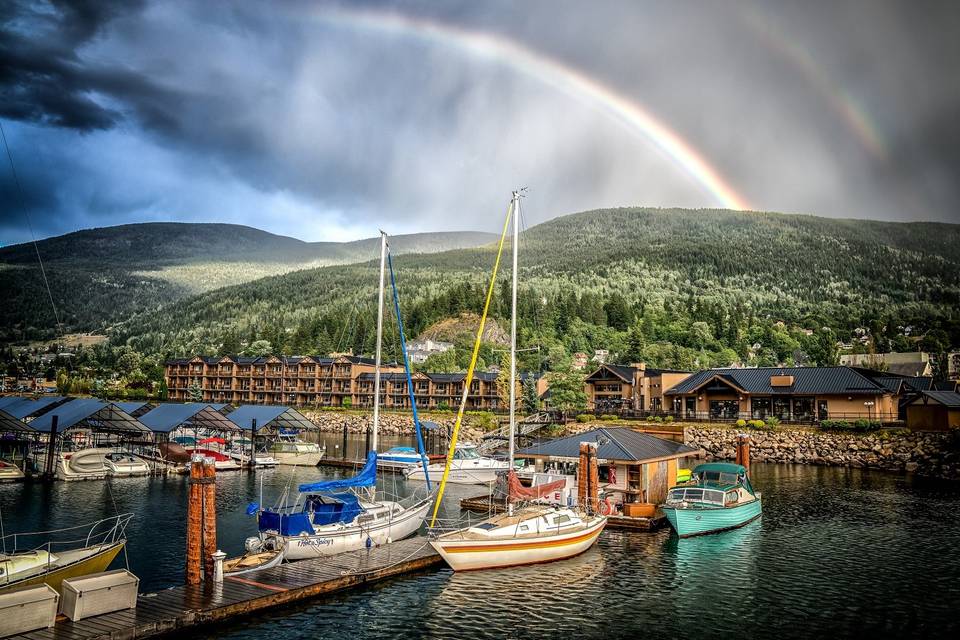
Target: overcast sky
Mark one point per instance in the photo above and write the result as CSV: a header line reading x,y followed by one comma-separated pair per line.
x,y
327,121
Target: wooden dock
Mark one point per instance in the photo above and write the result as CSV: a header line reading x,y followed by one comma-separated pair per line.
x,y
184,607
481,504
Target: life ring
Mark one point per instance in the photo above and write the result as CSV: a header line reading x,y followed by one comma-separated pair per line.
x,y
606,507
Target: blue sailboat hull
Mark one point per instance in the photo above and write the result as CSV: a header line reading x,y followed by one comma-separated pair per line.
x,y
695,521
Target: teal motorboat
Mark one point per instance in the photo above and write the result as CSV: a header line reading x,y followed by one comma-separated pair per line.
x,y
718,497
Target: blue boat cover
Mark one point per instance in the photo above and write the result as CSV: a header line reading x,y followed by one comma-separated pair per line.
x,y
366,478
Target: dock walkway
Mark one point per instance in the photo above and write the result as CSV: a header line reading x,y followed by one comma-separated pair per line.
x,y
182,607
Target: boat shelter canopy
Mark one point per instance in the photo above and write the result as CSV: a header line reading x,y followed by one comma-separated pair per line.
x,y
135,409
269,416
23,408
620,444
10,424
90,413
167,417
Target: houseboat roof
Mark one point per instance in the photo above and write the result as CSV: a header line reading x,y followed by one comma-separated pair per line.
x,y
613,443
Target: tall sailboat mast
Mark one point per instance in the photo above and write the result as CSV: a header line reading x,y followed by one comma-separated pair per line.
x,y
376,376
513,328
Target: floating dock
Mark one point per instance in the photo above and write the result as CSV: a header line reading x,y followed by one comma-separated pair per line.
x,y
482,504
181,608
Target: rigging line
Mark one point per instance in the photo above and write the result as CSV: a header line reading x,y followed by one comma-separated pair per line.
x,y
473,363
33,237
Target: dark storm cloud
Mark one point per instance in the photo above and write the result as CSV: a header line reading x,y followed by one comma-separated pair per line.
x,y
273,115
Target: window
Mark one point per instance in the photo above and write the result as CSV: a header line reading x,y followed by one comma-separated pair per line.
x,y
732,497
781,408
803,408
561,519
760,408
713,497
724,409
693,494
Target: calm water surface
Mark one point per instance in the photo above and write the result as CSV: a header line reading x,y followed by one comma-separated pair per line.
x,y
837,552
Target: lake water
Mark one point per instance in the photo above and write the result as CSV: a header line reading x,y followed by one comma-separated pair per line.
x,y
837,552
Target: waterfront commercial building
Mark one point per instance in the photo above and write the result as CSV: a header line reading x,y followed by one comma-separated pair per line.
x,y
799,394
934,411
342,381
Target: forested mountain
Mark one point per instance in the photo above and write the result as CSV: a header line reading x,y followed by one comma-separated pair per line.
x,y
673,287
101,276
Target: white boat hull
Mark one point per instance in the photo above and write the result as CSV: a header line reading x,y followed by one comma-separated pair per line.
x,y
457,475
86,464
467,555
10,472
298,459
352,537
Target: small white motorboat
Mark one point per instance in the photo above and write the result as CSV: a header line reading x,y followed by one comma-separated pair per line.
x,y
292,452
398,458
10,472
85,464
467,467
124,464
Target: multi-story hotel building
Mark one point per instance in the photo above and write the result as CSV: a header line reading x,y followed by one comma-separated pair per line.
x,y
320,381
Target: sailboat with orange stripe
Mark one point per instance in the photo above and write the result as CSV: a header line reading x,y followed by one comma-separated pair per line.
x,y
529,535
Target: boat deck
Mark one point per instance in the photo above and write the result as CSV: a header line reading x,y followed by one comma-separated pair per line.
x,y
481,504
181,608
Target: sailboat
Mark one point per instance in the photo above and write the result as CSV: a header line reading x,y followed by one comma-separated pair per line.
x,y
527,535
334,516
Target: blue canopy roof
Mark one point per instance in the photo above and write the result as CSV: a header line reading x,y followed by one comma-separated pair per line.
x,y
130,407
167,417
26,407
269,416
89,413
366,478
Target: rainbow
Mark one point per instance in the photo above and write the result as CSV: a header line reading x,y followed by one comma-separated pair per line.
x,y
556,75
841,101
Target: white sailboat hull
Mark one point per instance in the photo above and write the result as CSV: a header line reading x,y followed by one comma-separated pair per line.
x,y
467,555
339,539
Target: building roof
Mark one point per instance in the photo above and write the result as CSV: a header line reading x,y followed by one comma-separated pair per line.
x,y
89,413
806,380
911,369
167,417
269,416
949,399
615,443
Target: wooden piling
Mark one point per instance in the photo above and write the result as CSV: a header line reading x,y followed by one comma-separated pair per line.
x,y
743,451
194,520
253,443
588,477
209,515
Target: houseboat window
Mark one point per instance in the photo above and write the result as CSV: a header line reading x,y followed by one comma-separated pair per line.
x,y
694,494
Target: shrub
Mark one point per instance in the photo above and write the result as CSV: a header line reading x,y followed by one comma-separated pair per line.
x,y
866,425
757,424
741,423
656,419
608,416
772,421
347,403
836,425
584,417
668,419
443,406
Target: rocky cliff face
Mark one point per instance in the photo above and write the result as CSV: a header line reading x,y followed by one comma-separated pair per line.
x,y
935,454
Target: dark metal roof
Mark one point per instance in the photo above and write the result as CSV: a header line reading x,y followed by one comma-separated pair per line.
x,y
806,381
89,413
9,424
167,417
269,416
949,399
27,407
616,443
